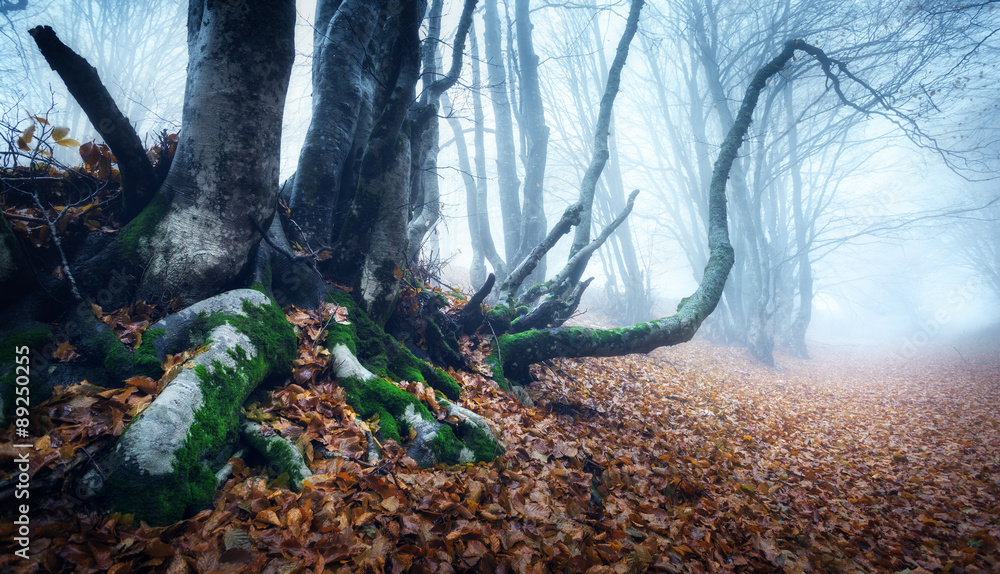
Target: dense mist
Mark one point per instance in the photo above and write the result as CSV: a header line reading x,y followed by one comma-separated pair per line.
x,y
884,211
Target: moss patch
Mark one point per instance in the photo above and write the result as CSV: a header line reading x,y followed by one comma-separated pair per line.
x,y
128,243
446,446
122,362
191,485
382,398
381,354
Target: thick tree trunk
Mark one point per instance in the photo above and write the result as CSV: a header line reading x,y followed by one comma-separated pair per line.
x,y
372,240
196,237
338,90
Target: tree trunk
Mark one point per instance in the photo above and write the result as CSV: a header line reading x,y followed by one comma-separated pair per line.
x,y
482,188
536,135
510,209
600,156
338,91
196,237
800,322
138,180
371,246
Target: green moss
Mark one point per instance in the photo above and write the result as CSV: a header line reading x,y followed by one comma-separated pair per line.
x,y
216,424
446,446
269,332
279,452
128,243
122,362
682,303
494,360
33,337
484,447
382,398
499,319
381,354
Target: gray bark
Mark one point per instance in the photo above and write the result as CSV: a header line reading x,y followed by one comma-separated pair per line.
x,y
510,209
225,171
536,135
339,87
372,240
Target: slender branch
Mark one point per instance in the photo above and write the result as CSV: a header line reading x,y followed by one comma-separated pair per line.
x,y
464,23
569,218
561,282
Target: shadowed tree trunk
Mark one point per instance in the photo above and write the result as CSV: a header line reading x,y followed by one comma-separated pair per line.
x,y
338,91
196,237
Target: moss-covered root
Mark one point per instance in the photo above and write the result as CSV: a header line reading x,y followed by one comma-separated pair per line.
x,y
398,412
279,452
382,354
163,467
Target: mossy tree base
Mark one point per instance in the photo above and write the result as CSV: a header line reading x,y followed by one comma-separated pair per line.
x,y
398,411
163,467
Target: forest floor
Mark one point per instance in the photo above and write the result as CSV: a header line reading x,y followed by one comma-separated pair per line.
x,y
691,459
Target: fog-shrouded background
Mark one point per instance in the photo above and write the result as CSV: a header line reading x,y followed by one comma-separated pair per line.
x,y
898,254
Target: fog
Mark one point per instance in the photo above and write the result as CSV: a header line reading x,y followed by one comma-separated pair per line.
x,y
900,256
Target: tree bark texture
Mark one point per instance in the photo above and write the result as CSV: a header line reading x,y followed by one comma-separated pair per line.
x,y
339,86
196,238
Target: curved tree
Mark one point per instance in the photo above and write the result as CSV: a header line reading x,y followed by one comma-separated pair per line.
x,y
212,229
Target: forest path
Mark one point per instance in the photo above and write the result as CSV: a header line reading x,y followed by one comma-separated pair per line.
x,y
692,459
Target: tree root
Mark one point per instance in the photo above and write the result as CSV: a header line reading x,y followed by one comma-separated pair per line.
x,y
472,438
165,463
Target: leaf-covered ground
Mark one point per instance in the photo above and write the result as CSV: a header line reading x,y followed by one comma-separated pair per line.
x,y
694,459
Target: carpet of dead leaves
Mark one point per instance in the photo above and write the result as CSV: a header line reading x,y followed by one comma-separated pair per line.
x,y
692,459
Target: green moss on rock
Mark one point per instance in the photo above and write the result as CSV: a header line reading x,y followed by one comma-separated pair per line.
x,y
122,362
382,398
446,446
